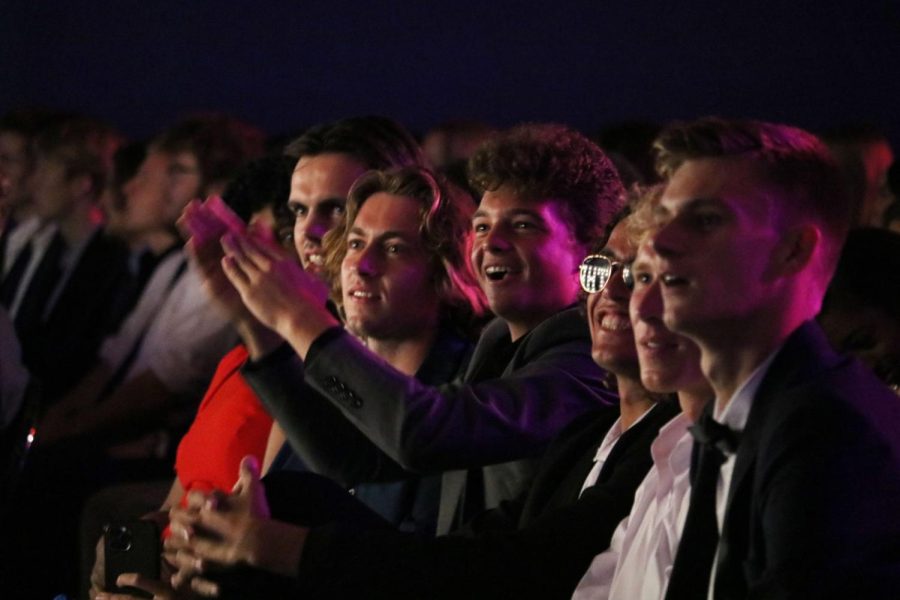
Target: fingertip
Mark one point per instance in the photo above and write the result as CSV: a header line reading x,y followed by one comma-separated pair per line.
x,y
250,464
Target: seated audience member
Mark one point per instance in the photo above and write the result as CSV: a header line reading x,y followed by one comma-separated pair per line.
x,y
639,555
83,271
24,237
118,423
548,192
230,422
802,497
538,544
861,311
142,260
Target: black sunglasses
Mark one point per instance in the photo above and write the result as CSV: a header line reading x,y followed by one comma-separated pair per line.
x,y
596,270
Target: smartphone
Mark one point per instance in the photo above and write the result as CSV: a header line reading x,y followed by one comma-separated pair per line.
x,y
131,547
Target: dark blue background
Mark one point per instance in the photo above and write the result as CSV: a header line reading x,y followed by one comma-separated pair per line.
x,y
283,64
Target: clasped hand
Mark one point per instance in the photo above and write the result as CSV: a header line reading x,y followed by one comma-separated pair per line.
x,y
218,531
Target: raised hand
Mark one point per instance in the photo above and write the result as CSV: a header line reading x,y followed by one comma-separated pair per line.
x,y
276,289
204,224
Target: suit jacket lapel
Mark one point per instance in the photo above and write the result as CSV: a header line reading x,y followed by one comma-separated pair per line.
x,y
804,352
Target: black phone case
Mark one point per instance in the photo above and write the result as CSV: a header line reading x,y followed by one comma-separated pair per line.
x,y
141,553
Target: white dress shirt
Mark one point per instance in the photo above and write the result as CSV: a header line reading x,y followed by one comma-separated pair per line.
x,y
639,560
184,334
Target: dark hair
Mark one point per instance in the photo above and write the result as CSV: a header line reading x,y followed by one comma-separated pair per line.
x,y
548,161
376,142
445,228
262,183
83,145
220,143
791,159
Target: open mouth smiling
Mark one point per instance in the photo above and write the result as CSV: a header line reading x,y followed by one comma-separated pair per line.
x,y
498,272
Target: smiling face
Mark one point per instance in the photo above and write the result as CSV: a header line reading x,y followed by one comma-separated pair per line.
x,y
319,188
386,278
612,338
525,258
715,248
668,362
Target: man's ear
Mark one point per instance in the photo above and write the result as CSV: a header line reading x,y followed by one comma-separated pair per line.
x,y
797,249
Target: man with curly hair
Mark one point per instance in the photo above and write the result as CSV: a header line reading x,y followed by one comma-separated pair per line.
x,y
548,194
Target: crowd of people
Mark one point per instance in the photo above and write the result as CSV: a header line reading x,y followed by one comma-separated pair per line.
x,y
659,362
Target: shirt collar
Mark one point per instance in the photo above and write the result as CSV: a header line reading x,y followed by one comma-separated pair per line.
x,y
735,413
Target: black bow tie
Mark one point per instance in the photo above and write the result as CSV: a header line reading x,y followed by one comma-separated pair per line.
x,y
710,432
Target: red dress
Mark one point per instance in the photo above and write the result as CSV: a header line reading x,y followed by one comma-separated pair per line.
x,y
230,424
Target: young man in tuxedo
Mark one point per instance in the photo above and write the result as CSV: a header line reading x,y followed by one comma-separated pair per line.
x,y
796,490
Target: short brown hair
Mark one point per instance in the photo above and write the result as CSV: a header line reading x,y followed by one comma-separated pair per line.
x,y
376,142
445,214
83,145
791,159
552,161
221,144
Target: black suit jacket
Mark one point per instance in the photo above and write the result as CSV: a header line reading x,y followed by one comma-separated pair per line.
x,y
502,420
537,546
814,503
62,346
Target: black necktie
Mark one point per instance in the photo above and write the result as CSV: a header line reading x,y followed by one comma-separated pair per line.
x,y
12,280
40,288
697,548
